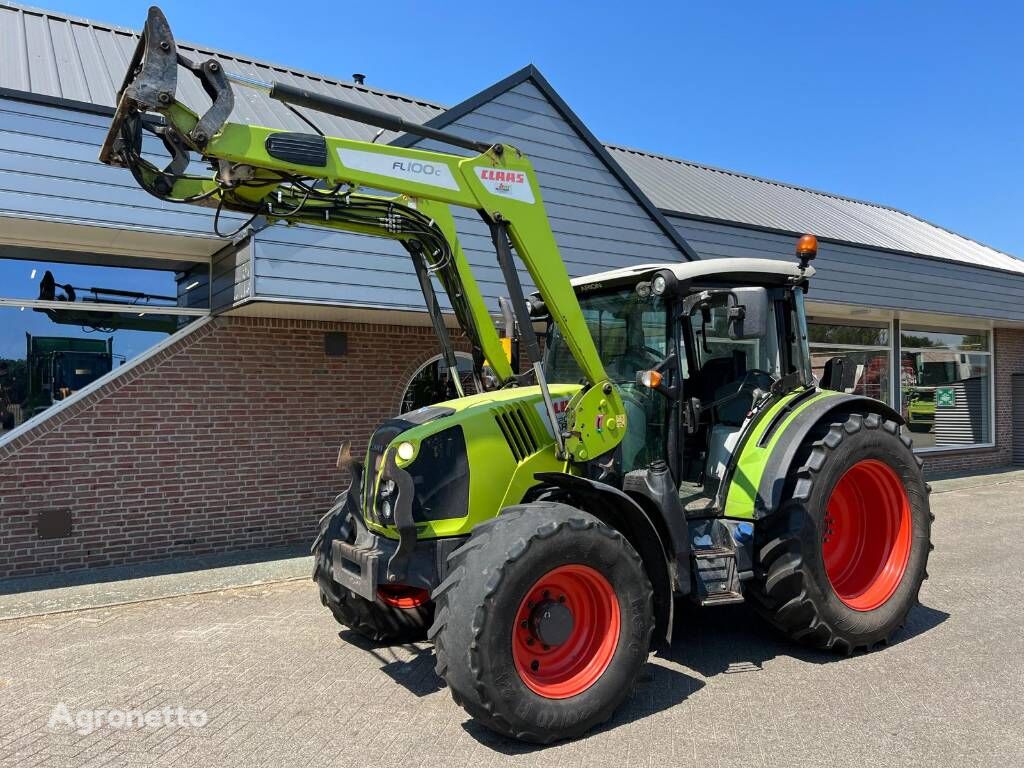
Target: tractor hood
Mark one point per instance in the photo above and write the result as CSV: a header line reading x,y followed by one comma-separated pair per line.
x,y
446,467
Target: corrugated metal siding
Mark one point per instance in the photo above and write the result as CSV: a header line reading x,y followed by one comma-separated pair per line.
x,y
49,170
307,264
54,55
231,275
689,188
851,275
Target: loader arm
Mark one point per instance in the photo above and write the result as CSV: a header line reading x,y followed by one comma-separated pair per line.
x,y
320,181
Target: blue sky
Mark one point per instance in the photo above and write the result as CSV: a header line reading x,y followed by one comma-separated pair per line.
x,y
910,104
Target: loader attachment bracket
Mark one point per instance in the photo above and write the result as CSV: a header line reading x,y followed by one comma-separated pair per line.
x,y
150,85
211,75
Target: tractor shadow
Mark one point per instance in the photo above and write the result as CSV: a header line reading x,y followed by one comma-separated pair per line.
x,y
733,639
657,689
725,640
410,665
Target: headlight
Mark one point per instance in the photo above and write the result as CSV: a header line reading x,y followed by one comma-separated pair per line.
x,y
385,511
658,285
387,487
406,451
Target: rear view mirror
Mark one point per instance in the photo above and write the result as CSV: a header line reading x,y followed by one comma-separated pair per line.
x,y
833,375
748,313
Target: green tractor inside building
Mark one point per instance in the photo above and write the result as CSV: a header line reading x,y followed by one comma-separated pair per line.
x,y
667,441
59,366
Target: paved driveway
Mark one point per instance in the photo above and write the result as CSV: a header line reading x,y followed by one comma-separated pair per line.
x,y
265,673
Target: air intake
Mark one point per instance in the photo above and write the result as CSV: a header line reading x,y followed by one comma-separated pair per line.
x,y
517,427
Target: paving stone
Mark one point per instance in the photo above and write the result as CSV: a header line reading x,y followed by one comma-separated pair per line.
x,y
283,685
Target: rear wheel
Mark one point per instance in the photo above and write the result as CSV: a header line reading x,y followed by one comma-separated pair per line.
x,y
543,623
844,559
399,614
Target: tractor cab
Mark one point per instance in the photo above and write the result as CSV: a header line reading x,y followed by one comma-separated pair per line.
x,y
695,350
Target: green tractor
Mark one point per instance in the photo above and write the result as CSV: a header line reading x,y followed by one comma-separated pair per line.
x,y
59,366
666,441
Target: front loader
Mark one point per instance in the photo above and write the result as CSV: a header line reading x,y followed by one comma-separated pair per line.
x,y
667,442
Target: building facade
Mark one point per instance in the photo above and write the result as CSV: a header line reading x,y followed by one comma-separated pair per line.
x,y
222,435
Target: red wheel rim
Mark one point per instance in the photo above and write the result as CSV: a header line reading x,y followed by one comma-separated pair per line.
x,y
866,540
566,631
401,596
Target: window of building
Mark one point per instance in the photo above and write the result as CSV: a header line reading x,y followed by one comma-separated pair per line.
x,y
850,358
433,383
63,326
947,386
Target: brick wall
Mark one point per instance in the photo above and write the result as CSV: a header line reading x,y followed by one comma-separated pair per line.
x,y
225,440
1009,359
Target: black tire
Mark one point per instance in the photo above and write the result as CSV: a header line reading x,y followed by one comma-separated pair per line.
x,y
382,623
477,612
794,591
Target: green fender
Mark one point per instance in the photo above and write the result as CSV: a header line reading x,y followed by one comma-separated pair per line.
x,y
766,452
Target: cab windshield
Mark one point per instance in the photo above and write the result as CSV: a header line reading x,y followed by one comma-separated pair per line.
x,y
629,331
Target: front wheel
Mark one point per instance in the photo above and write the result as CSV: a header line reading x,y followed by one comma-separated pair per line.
x,y
543,623
398,615
843,561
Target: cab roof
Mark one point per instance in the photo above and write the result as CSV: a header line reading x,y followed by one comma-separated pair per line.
x,y
690,270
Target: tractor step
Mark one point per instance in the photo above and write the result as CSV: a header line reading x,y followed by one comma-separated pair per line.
x,y
717,578
726,598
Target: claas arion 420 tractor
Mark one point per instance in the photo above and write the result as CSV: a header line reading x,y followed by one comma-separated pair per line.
x,y
666,441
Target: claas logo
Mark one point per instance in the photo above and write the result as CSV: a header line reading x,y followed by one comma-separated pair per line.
x,y
509,177
501,181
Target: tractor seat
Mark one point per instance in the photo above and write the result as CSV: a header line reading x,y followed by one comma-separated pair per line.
x,y
719,377
733,412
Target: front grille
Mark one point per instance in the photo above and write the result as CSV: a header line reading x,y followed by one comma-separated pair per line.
x,y
516,423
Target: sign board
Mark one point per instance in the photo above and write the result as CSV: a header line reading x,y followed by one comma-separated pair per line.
x,y
945,397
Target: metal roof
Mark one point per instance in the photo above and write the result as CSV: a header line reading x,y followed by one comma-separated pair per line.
x,y
71,59
693,189
60,56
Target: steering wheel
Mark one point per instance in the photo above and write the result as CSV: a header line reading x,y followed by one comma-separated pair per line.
x,y
754,378
763,376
